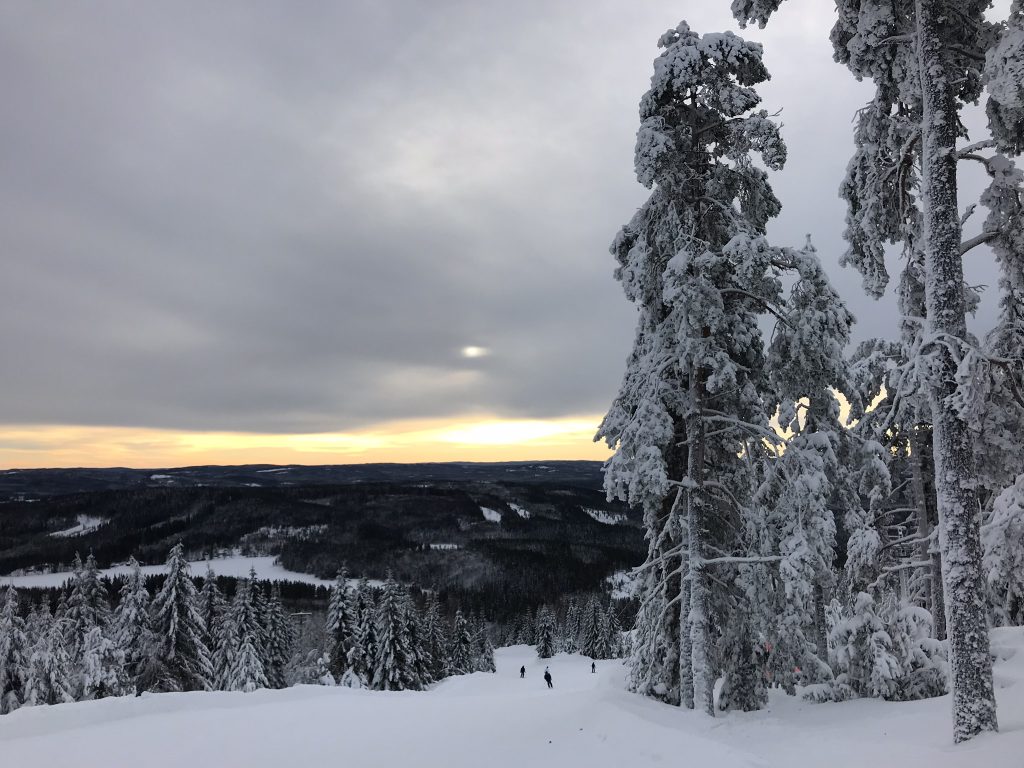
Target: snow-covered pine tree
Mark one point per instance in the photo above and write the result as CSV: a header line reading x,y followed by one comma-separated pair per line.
x,y
435,638
49,675
14,653
364,646
588,627
87,606
212,606
133,631
280,638
1002,539
483,649
696,393
245,663
419,652
614,633
341,625
393,660
546,647
571,635
101,667
927,64
460,653
178,630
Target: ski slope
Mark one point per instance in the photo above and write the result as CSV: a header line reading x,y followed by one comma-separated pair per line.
x,y
501,721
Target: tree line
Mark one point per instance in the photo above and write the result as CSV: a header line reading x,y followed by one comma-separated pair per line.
x,y
730,441
190,638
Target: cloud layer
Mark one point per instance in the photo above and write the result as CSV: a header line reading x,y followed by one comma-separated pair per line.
x,y
281,218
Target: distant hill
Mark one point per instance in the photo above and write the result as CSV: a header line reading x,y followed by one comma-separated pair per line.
x,y
37,483
505,536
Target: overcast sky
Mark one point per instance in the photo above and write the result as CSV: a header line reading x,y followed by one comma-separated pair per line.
x,y
294,217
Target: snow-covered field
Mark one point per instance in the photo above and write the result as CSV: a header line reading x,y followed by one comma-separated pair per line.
x,y
587,720
603,516
86,524
238,565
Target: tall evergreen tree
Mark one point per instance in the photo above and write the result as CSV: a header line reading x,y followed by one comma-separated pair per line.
x,y
546,646
14,653
280,638
460,654
49,676
212,608
435,638
244,664
928,60
178,630
393,667
341,625
88,605
691,424
132,627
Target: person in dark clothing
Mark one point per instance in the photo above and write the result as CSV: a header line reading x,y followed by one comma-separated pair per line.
x,y
547,679
522,671
593,667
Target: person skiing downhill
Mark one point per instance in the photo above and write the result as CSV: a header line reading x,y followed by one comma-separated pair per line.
x,y
547,677
522,671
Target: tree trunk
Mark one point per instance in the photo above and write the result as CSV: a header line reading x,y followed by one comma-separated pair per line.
x,y
821,625
676,595
700,621
974,707
685,647
928,551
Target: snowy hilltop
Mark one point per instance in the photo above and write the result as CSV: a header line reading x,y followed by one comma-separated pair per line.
x,y
586,719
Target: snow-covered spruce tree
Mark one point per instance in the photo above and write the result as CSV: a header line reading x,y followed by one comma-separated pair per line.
x,y
571,636
460,653
364,648
546,646
614,633
243,665
341,625
393,668
88,605
212,607
928,60
696,394
132,627
101,667
49,675
14,652
1003,542
435,638
178,630
483,649
280,638
415,628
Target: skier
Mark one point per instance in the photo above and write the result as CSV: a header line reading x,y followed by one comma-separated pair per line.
x,y
547,678
522,671
593,667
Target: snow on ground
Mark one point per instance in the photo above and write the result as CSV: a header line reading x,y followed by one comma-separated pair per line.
x,y
238,565
491,515
504,722
603,516
523,513
86,524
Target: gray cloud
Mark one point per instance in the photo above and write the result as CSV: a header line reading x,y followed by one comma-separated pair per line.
x,y
279,217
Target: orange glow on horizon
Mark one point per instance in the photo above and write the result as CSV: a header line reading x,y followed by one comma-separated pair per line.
x,y
469,439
